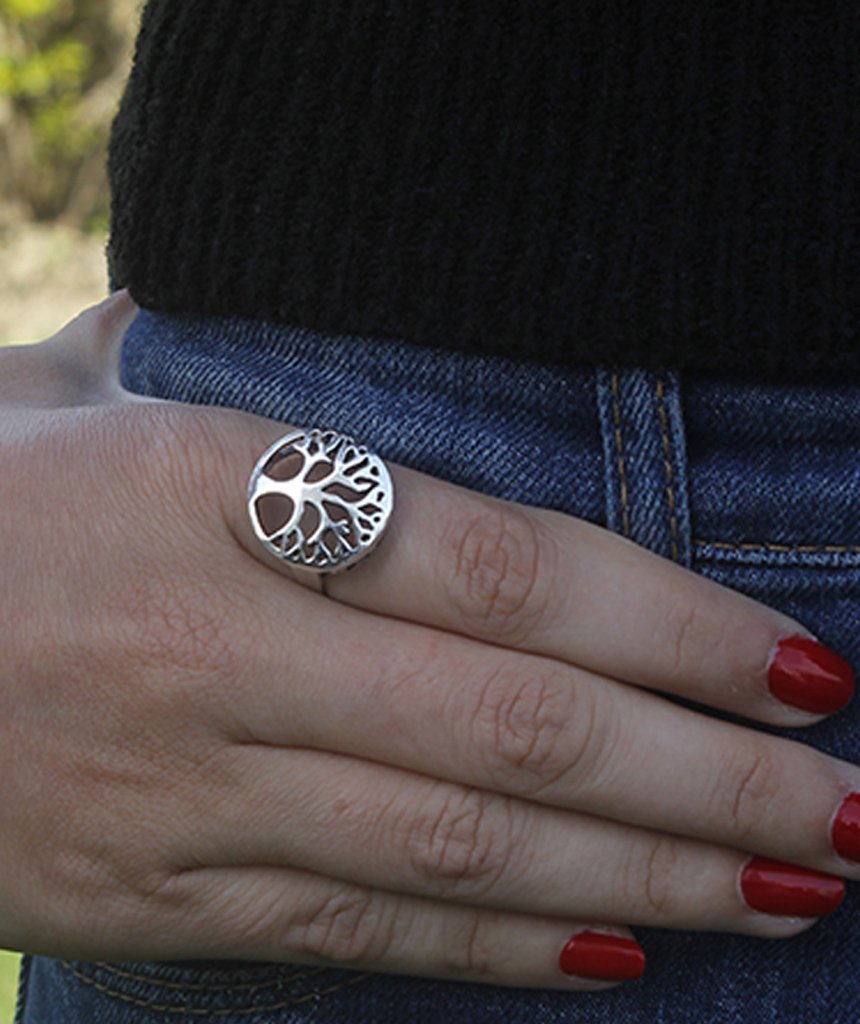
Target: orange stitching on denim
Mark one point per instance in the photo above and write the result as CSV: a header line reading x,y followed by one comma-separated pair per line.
x,y
200,1011
192,987
619,445
667,462
767,546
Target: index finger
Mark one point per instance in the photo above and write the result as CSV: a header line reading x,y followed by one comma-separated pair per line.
x,y
546,583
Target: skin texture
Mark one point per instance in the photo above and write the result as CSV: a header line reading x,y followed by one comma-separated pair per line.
x,y
447,766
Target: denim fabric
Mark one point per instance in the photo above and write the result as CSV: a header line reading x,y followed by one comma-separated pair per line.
x,y
751,483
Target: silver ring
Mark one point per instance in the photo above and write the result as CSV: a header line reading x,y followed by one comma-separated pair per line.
x,y
320,502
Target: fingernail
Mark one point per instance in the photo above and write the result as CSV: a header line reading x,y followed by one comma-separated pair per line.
x,y
845,834
776,888
598,955
808,675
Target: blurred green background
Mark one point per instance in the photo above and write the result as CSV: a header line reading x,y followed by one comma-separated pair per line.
x,y
62,68
8,983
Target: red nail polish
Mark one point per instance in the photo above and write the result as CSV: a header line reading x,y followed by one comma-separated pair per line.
x,y
808,675
845,833
776,888
598,955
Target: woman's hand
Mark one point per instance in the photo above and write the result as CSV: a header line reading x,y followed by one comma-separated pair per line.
x,y
448,766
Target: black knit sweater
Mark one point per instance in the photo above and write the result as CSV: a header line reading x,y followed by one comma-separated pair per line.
x,y
672,183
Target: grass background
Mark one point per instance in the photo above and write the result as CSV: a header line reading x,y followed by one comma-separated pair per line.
x,y
8,984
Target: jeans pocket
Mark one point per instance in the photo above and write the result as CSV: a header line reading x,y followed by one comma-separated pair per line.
x,y
73,992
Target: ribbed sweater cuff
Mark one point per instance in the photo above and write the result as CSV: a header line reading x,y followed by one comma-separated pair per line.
x,y
671,184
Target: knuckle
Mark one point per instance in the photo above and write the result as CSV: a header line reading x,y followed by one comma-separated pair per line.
x,y
499,574
469,950
348,925
97,882
181,452
698,633
535,730
477,958
461,840
747,789
681,622
651,880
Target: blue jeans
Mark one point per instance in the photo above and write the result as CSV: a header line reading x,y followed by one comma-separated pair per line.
x,y
753,484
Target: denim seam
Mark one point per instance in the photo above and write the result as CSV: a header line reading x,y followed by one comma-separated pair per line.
x,y
200,1011
181,986
619,446
667,462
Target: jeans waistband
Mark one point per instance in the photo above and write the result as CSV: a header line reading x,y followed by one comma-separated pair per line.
x,y
728,468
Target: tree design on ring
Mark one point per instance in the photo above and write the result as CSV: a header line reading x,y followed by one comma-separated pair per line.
x,y
320,499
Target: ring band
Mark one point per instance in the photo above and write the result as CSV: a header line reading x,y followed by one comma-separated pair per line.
x,y
319,502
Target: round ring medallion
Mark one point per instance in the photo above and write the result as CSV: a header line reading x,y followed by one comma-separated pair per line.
x,y
320,500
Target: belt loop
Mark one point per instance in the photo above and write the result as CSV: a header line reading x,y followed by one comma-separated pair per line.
x,y
645,460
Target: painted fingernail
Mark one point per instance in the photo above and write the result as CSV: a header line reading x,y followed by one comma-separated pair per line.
x,y
598,955
845,833
808,675
776,888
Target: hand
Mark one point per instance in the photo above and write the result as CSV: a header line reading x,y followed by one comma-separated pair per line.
x,y
448,766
